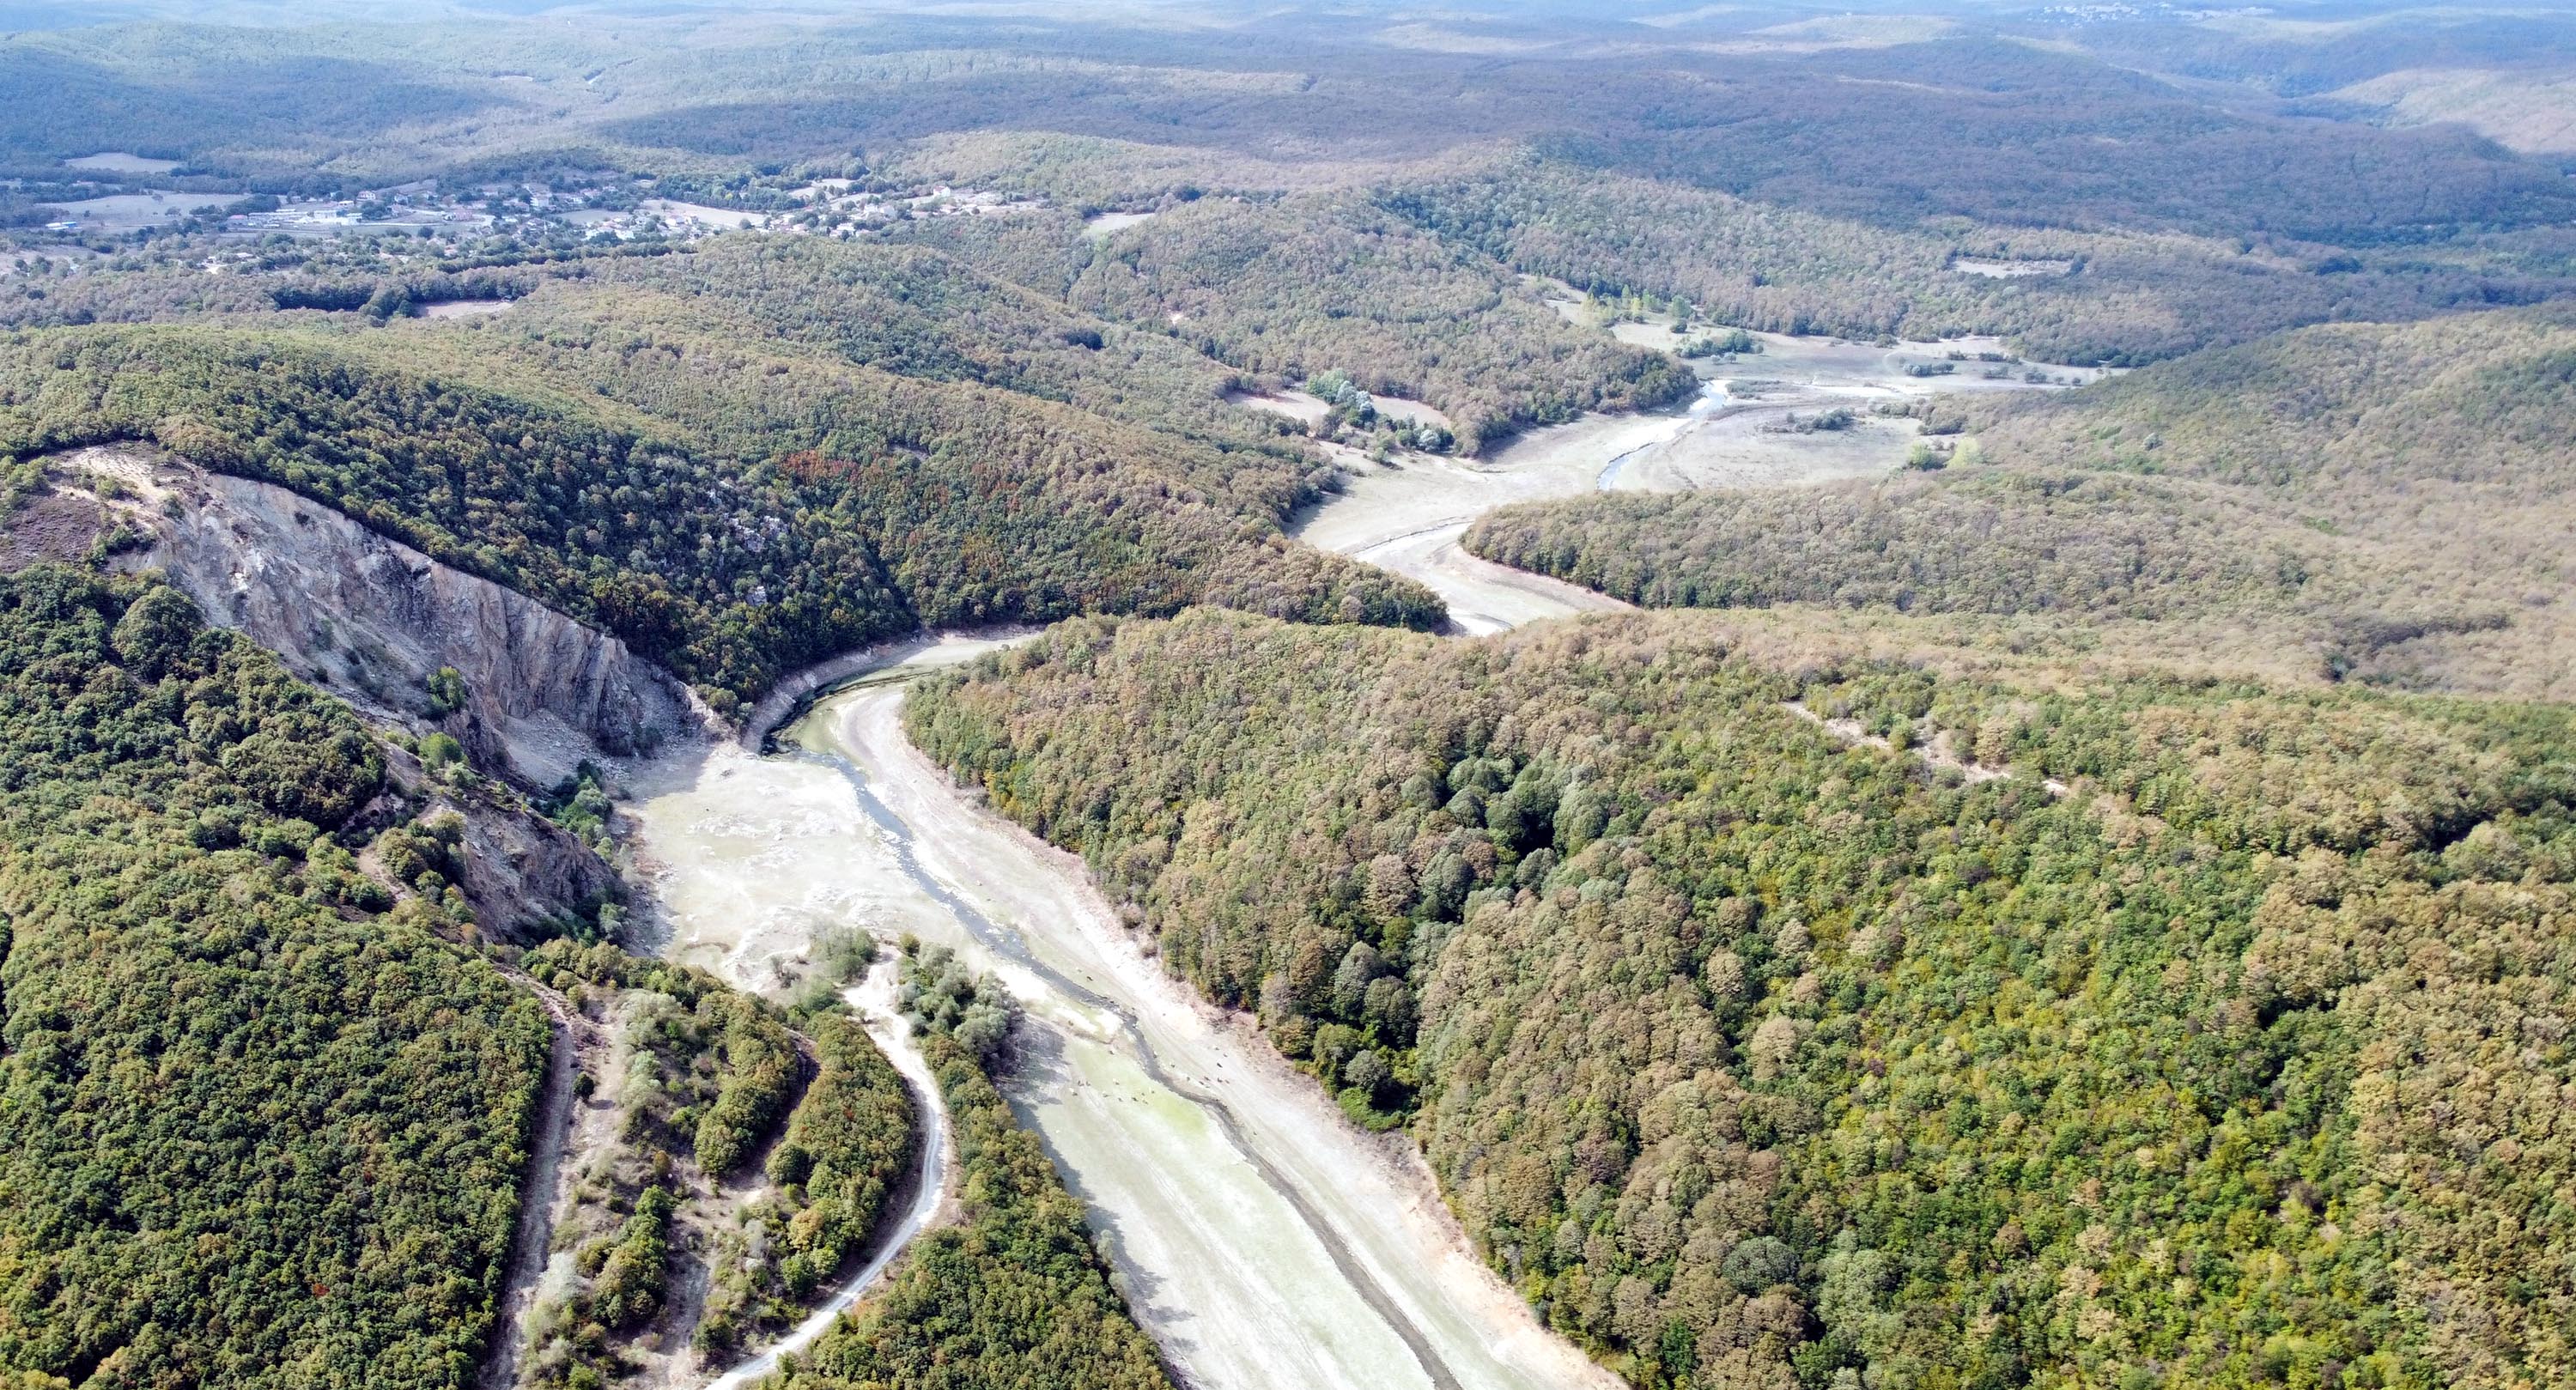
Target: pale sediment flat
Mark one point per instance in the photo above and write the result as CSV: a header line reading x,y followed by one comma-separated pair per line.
x,y
1367,1202
1483,597
1740,431
1407,518
464,308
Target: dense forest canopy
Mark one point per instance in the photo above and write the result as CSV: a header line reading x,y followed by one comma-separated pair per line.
x,y
1291,289
1302,287
257,1130
2112,293
1755,1057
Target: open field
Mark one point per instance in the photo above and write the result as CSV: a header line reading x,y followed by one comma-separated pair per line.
x,y
119,162
464,308
125,212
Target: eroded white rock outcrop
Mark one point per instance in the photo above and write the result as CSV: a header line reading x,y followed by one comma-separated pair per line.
x,y
372,619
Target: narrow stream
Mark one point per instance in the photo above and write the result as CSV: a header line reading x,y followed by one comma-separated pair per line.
x,y
1711,399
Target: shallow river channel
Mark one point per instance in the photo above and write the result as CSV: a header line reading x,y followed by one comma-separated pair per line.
x,y
1262,1240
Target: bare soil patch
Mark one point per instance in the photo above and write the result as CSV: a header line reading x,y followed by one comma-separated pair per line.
x,y
1296,405
121,162
465,308
1411,412
1995,269
1108,222
50,526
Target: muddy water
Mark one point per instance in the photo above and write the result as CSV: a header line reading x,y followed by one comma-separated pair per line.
x,y
1262,1240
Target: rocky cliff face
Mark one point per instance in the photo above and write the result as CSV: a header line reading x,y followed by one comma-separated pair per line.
x,y
372,619
523,874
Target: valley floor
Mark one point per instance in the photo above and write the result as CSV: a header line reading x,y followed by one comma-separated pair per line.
x,y
1263,1240
1407,515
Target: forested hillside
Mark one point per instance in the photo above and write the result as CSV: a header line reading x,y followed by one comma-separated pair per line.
x,y
2465,407
260,1125
2432,455
918,313
1291,288
2369,501
1408,284
267,1110
1308,285
1755,1056
2082,294
732,510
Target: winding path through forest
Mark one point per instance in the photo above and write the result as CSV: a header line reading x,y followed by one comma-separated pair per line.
x,y
873,1000
541,1190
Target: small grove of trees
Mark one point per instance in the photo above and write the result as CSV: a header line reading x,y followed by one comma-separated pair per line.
x,y
446,690
846,1147
1354,414
1014,1294
939,994
1722,342
713,1076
